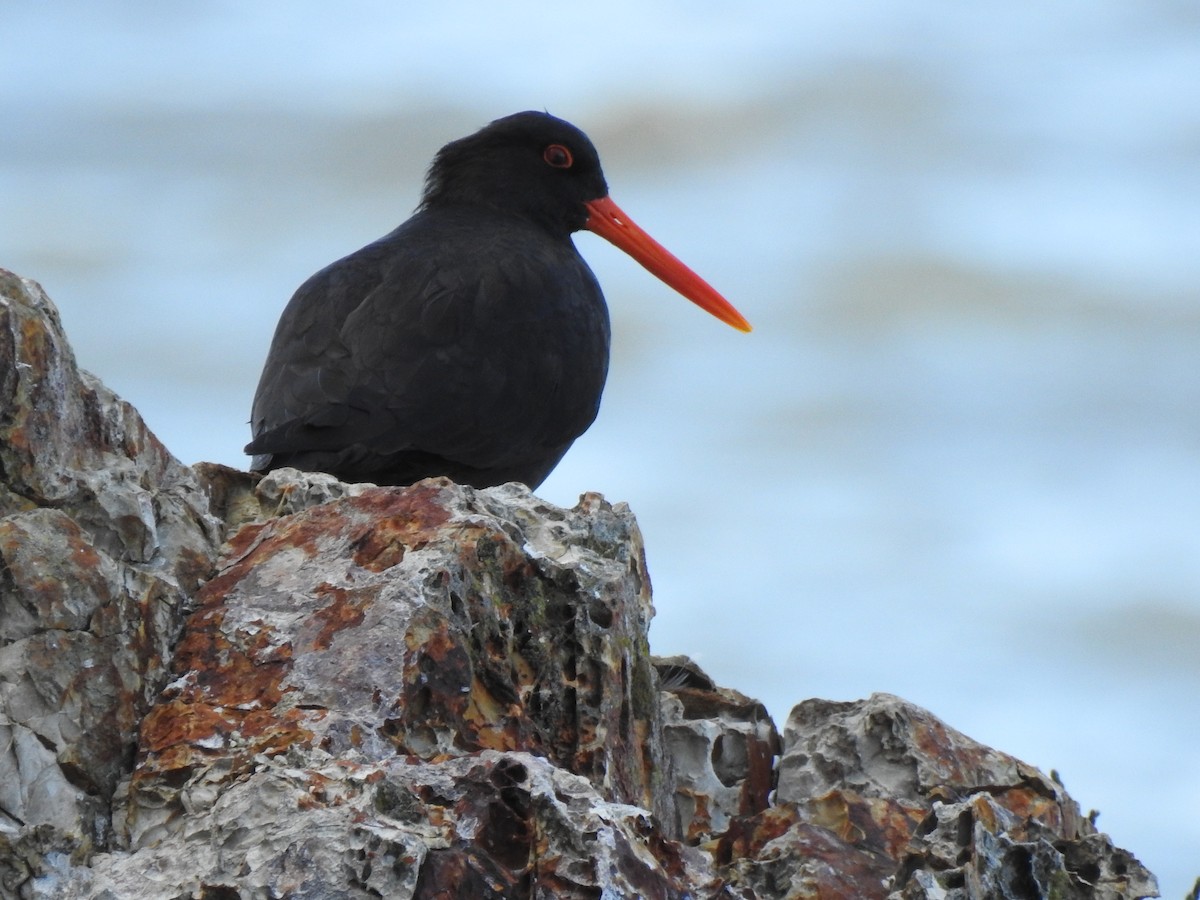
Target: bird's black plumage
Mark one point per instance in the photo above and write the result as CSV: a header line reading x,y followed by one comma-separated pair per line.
x,y
471,342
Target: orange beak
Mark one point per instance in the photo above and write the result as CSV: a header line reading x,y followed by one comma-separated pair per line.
x,y
606,219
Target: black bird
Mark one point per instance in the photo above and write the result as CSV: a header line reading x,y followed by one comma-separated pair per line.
x,y
472,341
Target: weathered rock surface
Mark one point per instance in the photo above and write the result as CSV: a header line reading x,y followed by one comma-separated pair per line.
x,y
427,622
722,747
489,824
927,813
421,693
104,537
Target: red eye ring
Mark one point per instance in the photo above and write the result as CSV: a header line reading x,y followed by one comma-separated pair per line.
x,y
558,156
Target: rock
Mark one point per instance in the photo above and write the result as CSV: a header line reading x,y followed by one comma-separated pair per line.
x,y
489,824
427,621
721,745
883,790
68,443
215,684
238,498
104,537
385,664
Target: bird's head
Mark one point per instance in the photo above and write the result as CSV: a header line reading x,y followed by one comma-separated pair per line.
x,y
546,170
530,164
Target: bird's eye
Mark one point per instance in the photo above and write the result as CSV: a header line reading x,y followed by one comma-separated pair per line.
x,y
558,156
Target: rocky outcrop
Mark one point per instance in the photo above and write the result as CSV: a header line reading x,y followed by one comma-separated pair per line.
x,y
104,539
216,685
880,792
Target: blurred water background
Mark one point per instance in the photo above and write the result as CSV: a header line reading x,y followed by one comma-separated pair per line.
x,y
957,460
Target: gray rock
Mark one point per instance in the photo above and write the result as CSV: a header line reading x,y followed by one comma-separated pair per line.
x,y
941,815
215,684
68,443
490,824
722,747
104,537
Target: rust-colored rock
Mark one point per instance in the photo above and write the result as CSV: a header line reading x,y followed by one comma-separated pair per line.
x,y
426,622
424,692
